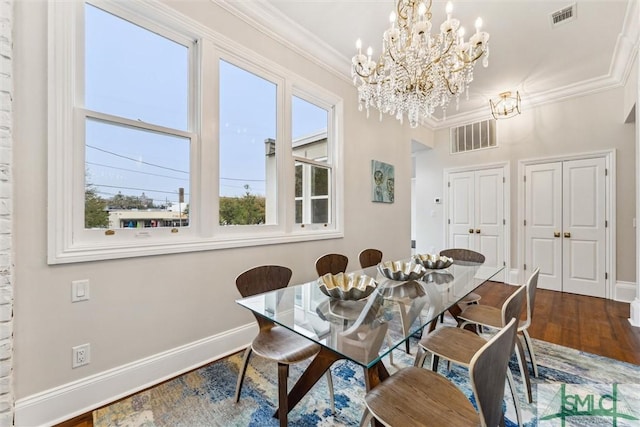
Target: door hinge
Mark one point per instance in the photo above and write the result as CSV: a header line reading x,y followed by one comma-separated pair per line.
x,y
525,178
448,221
504,179
525,267
606,276
504,221
449,184
525,222
504,263
606,223
606,171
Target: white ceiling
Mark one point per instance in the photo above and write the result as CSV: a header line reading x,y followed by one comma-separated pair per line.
x,y
593,52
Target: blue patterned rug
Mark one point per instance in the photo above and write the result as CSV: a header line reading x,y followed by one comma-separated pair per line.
x,y
204,397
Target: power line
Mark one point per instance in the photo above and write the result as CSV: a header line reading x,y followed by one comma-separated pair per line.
x,y
135,171
157,166
137,189
136,160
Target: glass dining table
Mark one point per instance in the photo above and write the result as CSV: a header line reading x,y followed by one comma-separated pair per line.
x,y
367,330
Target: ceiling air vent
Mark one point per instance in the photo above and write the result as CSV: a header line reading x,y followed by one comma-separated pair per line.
x,y
563,15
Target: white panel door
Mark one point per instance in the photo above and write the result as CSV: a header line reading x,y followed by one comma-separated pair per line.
x,y
489,215
584,227
461,210
476,213
565,230
543,228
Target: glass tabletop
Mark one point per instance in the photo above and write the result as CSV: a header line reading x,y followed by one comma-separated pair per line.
x,y
366,330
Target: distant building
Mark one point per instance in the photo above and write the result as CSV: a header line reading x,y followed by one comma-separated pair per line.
x,y
126,218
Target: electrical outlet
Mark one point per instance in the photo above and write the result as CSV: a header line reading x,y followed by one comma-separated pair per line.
x,y
81,355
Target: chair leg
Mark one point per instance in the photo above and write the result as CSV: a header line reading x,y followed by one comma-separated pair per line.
x,y
516,402
421,354
529,344
243,370
283,403
331,395
524,369
435,360
367,416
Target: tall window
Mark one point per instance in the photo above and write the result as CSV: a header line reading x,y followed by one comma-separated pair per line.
x,y
165,139
248,179
310,146
136,125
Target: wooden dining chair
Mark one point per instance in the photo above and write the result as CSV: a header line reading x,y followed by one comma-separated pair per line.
x,y
419,397
331,263
370,257
488,316
458,345
460,255
275,342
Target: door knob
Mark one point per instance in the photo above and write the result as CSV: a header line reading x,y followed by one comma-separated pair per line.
x,y
477,231
471,230
556,234
567,235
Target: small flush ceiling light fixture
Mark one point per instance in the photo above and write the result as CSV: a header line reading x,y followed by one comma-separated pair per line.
x,y
507,105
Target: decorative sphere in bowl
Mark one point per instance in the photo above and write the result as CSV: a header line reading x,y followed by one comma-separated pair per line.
x,y
347,286
401,270
433,261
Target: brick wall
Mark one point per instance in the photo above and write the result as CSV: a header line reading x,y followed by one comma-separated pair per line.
x,y
6,258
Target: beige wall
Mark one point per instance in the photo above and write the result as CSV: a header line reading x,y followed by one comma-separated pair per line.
x,y
140,307
579,125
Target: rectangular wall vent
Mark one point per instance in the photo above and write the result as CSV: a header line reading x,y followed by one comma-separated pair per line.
x,y
474,136
563,15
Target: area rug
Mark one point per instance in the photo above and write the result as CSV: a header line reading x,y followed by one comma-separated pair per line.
x,y
204,397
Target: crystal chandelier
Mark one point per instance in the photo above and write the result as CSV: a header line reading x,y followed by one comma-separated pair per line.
x,y
418,72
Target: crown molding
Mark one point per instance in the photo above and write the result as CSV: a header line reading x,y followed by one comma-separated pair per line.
x,y
270,21
264,17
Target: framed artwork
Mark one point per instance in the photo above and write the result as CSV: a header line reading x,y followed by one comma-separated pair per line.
x,y
382,182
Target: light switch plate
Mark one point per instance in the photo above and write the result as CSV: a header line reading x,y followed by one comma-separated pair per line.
x,y
79,290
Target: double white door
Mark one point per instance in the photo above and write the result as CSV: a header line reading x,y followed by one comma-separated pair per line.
x,y
565,225
476,213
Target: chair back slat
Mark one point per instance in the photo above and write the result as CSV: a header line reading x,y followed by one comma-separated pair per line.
x,y
331,263
512,307
532,286
488,370
263,278
370,257
464,255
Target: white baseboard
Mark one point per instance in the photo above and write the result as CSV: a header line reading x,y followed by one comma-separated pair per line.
x,y
624,291
70,400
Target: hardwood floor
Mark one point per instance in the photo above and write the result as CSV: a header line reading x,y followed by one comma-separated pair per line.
x,y
594,325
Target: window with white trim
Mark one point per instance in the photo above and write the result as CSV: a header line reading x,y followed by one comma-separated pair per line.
x,y
310,145
165,138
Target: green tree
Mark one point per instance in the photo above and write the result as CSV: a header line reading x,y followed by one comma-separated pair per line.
x,y
95,213
246,210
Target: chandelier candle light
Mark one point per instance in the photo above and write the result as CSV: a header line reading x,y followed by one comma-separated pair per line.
x,y
418,72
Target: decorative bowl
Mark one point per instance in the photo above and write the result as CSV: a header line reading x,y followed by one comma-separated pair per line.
x,y
347,286
410,289
438,278
433,261
401,270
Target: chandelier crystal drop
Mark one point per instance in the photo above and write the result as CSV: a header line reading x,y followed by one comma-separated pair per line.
x,y
418,72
